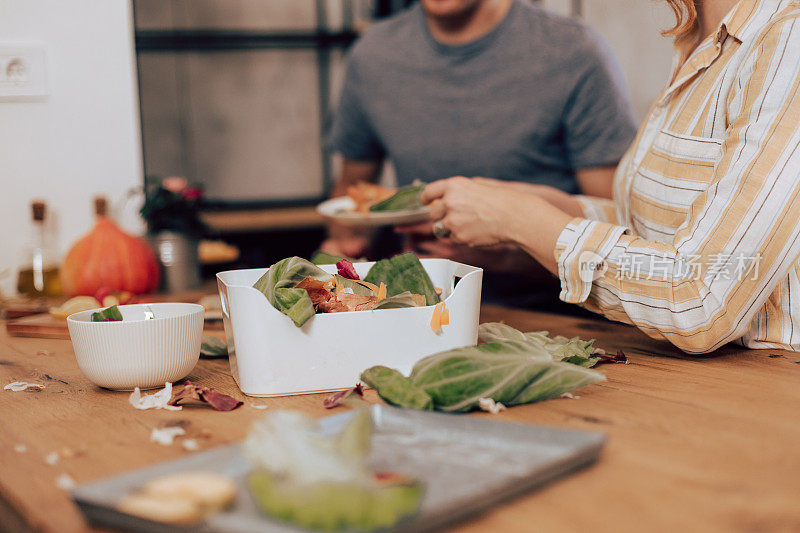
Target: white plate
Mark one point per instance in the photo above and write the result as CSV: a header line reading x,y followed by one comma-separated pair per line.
x,y
341,211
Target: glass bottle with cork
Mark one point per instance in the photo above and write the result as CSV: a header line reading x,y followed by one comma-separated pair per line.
x,y
38,273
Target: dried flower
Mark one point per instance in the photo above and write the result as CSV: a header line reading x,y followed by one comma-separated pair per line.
x,y
336,399
217,400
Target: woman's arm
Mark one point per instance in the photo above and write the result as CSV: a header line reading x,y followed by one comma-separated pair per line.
x,y
741,237
597,181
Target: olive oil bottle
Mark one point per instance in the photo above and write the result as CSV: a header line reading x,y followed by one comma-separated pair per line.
x,y
38,273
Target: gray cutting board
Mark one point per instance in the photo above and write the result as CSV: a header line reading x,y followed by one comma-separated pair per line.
x,y
467,465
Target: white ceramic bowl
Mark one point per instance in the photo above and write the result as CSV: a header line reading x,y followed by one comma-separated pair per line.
x,y
136,352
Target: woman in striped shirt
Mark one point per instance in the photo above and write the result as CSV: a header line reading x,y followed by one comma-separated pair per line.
x,y
701,244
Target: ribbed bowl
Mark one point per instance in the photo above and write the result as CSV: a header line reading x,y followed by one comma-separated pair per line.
x,y
136,352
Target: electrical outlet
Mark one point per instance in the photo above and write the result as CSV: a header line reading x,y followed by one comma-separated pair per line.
x,y
23,70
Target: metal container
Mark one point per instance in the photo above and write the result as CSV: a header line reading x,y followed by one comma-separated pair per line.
x,y
178,259
466,464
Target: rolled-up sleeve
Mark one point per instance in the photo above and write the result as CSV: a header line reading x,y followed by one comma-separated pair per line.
x,y
600,209
581,253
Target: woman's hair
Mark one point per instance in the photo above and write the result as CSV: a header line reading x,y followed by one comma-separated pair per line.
x,y
686,25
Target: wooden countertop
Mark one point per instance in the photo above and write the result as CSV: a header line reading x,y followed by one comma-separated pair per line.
x,y
707,444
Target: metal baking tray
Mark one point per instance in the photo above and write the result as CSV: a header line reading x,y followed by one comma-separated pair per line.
x,y
467,465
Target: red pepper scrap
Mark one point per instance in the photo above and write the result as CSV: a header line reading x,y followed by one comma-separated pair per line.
x,y
346,269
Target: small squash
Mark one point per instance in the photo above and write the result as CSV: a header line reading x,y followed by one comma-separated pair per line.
x,y
108,258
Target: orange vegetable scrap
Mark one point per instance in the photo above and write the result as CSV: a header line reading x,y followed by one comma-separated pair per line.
x,y
367,284
419,300
441,317
382,291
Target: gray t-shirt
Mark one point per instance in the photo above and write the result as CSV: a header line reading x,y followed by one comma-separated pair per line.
x,y
537,98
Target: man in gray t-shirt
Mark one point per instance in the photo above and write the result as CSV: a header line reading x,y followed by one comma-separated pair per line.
x,y
493,88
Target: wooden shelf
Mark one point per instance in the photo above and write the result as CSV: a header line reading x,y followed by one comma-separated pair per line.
x,y
266,219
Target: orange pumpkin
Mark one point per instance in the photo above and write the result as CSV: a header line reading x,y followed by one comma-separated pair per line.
x,y
108,258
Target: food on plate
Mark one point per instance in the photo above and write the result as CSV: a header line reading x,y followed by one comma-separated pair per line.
x,y
324,258
405,198
216,252
109,314
300,289
365,195
184,498
323,482
75,305
368,197
512,368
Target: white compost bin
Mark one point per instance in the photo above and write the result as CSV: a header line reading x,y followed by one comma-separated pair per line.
x,y
270,356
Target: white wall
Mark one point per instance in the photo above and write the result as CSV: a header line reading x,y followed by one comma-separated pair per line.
x,y
633,30
81,140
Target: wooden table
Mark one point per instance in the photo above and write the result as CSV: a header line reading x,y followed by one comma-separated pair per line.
x,y
694,444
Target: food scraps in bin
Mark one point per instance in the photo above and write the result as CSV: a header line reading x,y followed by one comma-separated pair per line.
x,y
324,258
201,393
324,483
300,289
512,368
185,498
347,270
158,400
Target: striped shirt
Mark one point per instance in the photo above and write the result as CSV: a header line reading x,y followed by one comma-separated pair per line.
x,y
702,243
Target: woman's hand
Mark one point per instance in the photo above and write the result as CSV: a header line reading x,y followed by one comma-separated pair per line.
x,y
479,213
474,213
